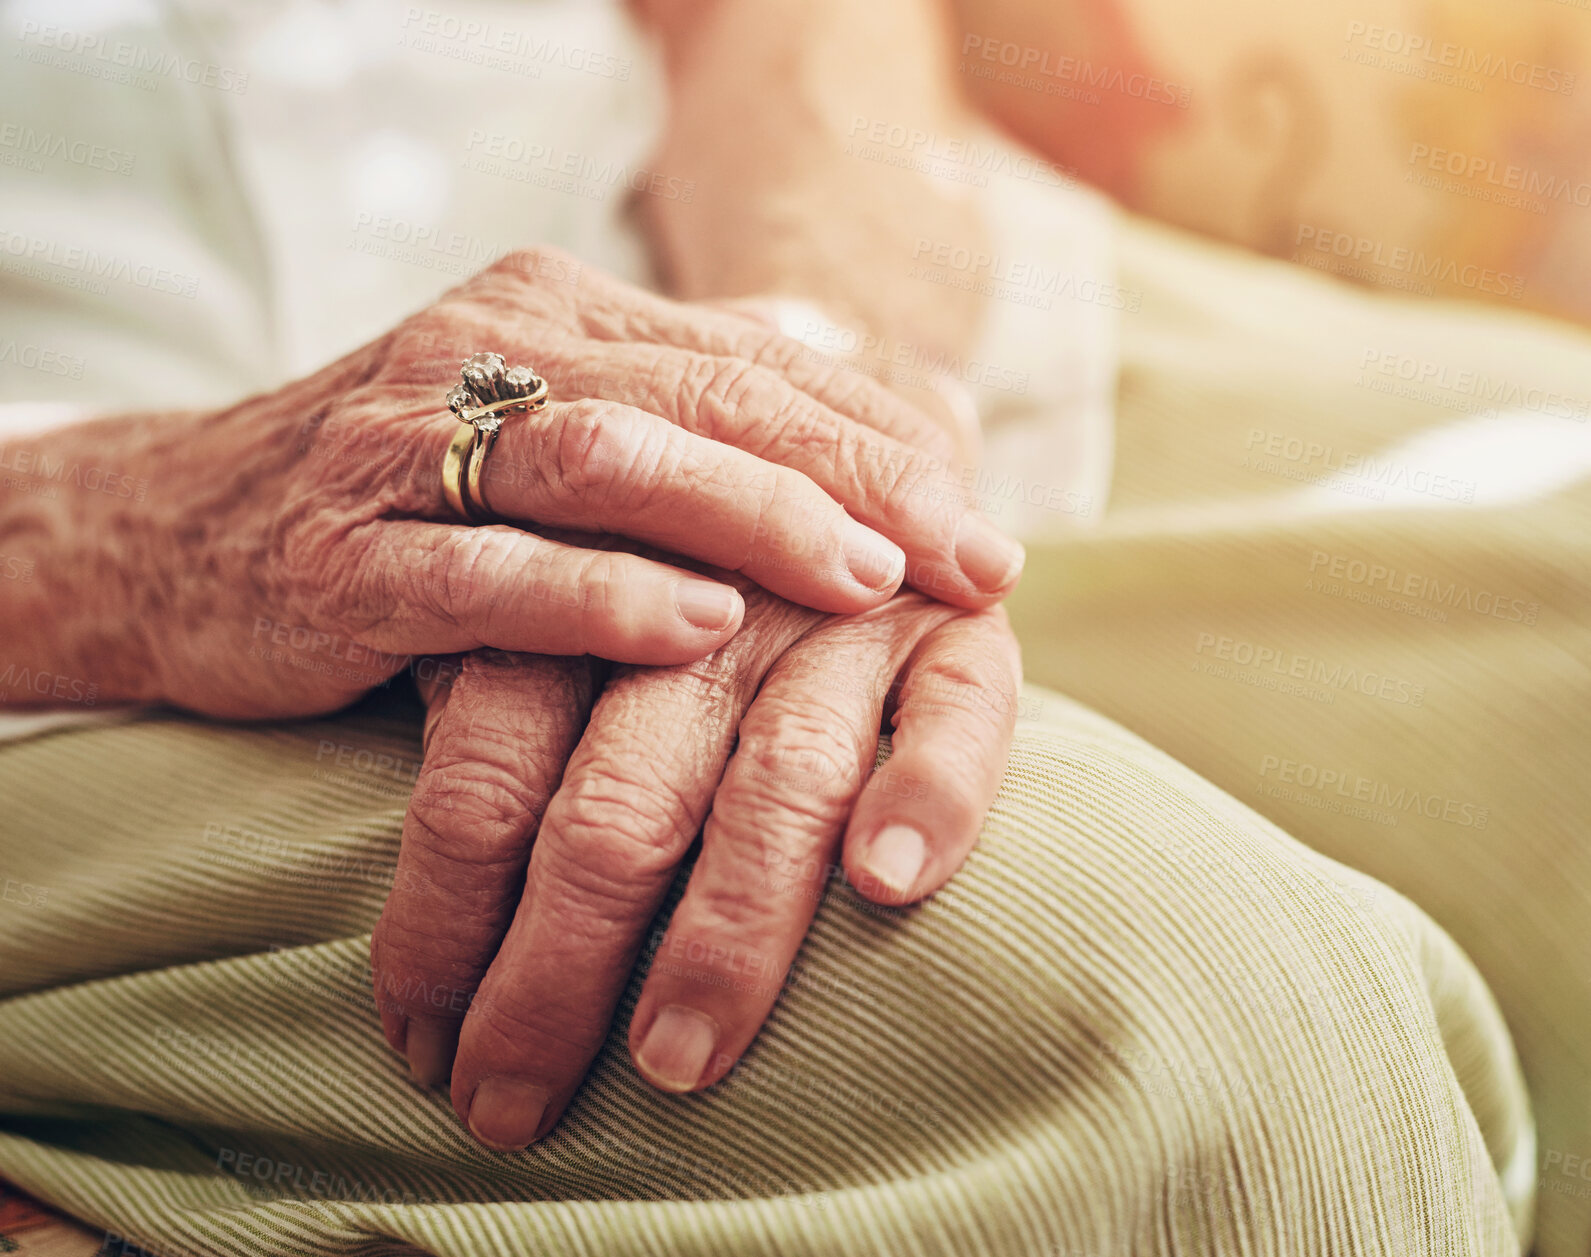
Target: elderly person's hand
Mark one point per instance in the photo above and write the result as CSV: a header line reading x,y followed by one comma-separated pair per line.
x,y
285,554
828,188
525,891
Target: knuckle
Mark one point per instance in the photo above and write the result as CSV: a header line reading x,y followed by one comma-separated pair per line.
x,y
876,407
415,973
624,830
476,813
785,416
676,377
966,683
893,474
769,348
730,381
794,772
738,918
332,574
530,267
595,582
472,563
587,450
688,387
511,1020
798,749
541,281
714,688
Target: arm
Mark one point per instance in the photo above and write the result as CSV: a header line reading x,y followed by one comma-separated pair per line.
x,y
771,104
283,555
70,502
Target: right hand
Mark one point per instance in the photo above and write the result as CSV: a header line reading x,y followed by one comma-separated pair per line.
x,y
298,550
545,832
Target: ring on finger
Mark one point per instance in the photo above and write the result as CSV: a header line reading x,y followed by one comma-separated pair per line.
x,y
488,391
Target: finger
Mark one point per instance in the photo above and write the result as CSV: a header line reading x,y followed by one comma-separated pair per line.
x,y
722,331
499,730
929,387
770,845
917,500
601,466
438,588
632,802
919,817
556,286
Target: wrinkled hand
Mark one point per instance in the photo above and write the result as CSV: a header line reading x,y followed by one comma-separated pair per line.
x,y
299,550
525,891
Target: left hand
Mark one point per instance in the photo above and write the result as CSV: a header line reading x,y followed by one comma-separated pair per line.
x,y
513,953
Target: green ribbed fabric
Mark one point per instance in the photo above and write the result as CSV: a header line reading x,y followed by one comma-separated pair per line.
x,y
1272,618
1143,1020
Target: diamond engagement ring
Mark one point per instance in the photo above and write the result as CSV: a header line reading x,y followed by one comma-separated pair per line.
x,y
488,390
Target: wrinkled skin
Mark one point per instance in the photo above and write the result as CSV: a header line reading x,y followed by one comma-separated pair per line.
x,y
298,550
526,890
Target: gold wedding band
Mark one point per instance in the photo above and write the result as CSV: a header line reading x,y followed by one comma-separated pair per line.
x,y
488,390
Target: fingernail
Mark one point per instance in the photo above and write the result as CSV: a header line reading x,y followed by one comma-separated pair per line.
x,y
874,560
506,1112
429,1047
896,857
677,1047
988,558
705,604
